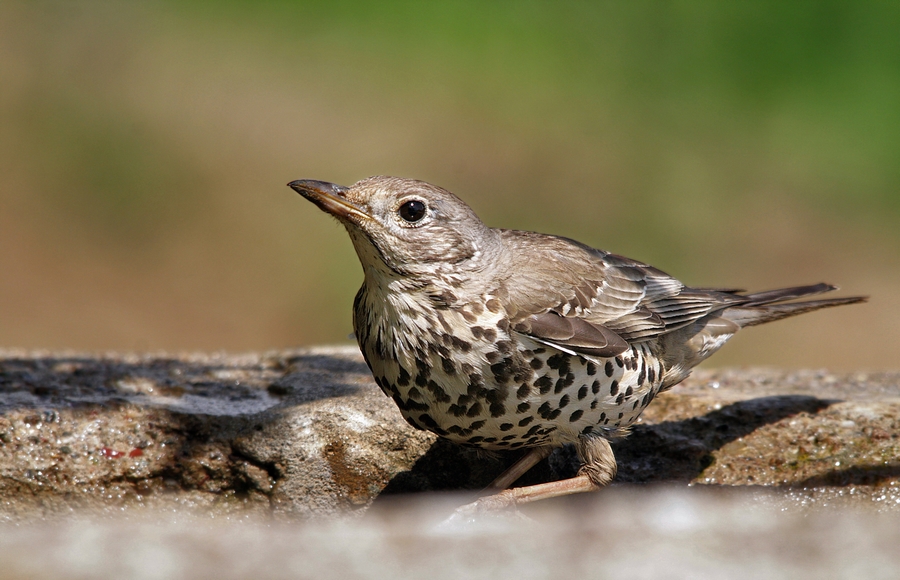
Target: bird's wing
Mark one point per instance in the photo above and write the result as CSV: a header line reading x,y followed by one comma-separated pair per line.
x,y
592,302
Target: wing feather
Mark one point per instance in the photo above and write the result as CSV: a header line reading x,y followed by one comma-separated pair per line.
x,y
595,303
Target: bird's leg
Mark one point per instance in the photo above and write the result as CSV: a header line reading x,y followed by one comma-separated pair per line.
x,y
598,462
597,470
518,469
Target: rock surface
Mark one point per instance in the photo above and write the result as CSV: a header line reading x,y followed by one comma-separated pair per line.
x,y
307,433
226,466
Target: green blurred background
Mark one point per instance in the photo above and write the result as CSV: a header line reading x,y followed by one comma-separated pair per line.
x,y
145,148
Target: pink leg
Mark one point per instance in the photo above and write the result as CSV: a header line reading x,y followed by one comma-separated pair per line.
x,y
598,469
518,469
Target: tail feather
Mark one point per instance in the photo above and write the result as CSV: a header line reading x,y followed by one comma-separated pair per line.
x,y
762,307
785,294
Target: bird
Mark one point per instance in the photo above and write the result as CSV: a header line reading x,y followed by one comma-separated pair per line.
x,y
502,339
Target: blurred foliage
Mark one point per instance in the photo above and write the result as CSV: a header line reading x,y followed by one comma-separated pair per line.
x,y
814,79
145,148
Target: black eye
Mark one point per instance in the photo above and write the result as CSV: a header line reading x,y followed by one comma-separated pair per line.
x,y
412,210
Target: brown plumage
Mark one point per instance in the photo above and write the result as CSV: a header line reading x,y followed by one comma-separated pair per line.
x,y
505,339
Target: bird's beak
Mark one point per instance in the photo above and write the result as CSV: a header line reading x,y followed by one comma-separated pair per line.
x,y
328,197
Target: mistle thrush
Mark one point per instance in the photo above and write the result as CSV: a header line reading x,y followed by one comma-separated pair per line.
x,y
503,339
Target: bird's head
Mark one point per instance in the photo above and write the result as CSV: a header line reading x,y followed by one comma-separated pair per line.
x,y
411,227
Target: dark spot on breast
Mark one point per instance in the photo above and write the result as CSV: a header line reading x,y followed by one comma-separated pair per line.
x,y
595,387
401,404
504,346
414,394
582,392
608,368
467,369
460,344
587,430
629,391
475,440
619,362
602,416
576,415
506,426
489,334
554,415
477,332
416,406
425,419
523,391
523,407
503,370
544,410
540,350
422,379
642,375
591,368
476,379
503,324
509,437
544,383
493,305
448,366
613,388
477,390
526,421
560,386
477,425
534,429
474,410
403,378
522,372
555,361
536,363
651,374
457,410
563,401
489,440
493,356
439,393
470,318
593,404
497,410
620,399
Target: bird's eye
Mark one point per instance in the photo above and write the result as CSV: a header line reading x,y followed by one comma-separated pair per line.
x,y
412,210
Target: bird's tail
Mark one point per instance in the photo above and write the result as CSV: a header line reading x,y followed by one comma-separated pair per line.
x,y
762,307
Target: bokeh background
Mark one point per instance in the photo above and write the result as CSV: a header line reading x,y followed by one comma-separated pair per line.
x,y
145,148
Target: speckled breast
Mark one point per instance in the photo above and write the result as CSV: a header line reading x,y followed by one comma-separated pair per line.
x,y
463,374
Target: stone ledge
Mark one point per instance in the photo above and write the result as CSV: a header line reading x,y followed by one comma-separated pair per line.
x,y
306,433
